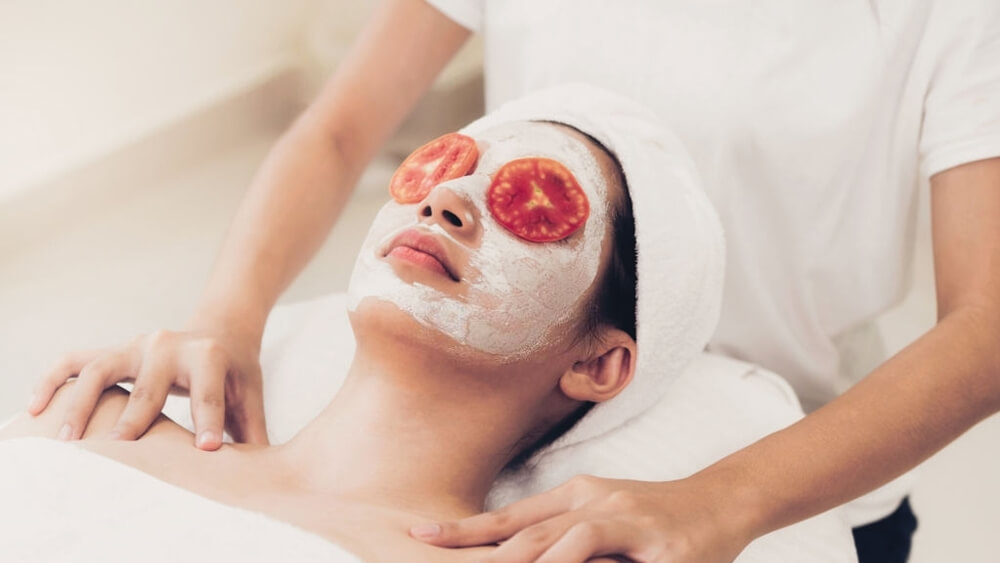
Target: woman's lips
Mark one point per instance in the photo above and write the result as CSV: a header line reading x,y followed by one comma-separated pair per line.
x,y
422,250
419,258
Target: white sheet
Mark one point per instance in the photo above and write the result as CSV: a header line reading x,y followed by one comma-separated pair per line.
x,y
61,503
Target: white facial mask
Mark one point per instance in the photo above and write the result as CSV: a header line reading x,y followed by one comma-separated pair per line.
x,y
518,291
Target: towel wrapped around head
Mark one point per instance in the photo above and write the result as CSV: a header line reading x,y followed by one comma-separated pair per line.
x,y
679,239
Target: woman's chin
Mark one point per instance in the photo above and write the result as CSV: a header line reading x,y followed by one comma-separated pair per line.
x,y
386,332
381,321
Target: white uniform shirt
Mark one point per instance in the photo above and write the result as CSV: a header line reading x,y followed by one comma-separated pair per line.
x,y
811,122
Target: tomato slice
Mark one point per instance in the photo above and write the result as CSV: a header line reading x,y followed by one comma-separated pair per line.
x,y
537,199
445,158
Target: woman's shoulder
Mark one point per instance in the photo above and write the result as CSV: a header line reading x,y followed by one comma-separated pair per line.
x,y
166,451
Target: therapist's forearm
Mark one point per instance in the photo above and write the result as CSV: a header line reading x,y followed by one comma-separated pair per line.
x,y
906,410
290,208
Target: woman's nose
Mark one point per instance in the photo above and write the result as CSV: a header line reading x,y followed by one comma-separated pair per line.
x,y
451,211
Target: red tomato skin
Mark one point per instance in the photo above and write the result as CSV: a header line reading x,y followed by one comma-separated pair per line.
x,y
448,157
537,199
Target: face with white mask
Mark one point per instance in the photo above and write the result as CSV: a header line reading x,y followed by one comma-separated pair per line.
x,y
497,273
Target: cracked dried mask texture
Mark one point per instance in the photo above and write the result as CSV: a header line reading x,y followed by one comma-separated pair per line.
x,y
518,291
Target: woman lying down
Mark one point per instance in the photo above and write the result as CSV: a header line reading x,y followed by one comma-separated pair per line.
x,y
495,308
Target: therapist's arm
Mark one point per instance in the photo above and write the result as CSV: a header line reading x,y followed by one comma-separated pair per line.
x,y
290,208
919,400
909,408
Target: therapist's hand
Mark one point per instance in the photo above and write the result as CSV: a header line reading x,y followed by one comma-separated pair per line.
x,y
221,371
589,517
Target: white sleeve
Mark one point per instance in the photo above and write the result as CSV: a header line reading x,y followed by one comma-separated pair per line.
x,y
466,13
962,108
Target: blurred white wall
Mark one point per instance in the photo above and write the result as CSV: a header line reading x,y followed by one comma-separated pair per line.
x,y
83,82
80,79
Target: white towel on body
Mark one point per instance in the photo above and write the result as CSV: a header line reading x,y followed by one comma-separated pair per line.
x,y
61,503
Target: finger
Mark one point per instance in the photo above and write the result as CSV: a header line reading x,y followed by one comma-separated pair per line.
x,y
94,378
245,418
492,527
590,538
69,366
145,402
531,542
208,398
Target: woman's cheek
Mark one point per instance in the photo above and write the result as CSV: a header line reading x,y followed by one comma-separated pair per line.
x,y
547,280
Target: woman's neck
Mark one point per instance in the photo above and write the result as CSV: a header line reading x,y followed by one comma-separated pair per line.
x,y
407,432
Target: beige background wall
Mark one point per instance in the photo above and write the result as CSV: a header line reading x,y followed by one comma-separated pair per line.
x,y
83,78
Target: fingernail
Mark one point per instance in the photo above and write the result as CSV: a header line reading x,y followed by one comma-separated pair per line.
x,y
206,437
33,402
65,432
426,531
114,435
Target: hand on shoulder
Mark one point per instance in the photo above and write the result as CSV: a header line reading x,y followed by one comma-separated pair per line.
x,y
50,422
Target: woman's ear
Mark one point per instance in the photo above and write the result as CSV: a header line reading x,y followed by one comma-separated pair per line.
x,y
607,371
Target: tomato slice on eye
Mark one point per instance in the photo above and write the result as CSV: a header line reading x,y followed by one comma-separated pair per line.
x,y
445,158
537,199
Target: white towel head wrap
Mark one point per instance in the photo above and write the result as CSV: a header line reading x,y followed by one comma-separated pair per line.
x,y
678,239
